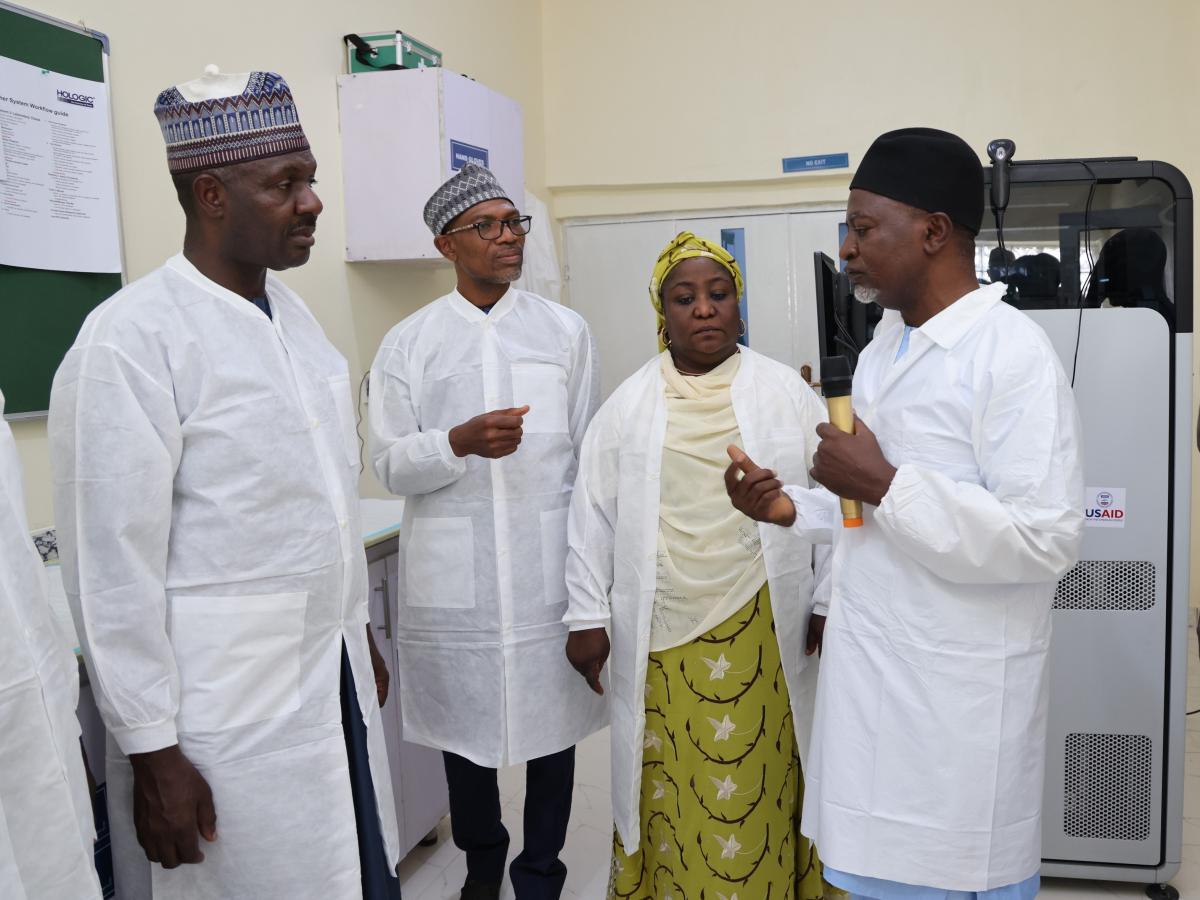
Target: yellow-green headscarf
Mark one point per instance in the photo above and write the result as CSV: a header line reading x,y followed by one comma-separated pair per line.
x,y
686,245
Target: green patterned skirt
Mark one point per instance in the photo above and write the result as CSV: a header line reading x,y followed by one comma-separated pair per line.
x,y
722,788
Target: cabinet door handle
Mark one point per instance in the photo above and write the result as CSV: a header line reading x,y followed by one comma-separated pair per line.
x,y
387,608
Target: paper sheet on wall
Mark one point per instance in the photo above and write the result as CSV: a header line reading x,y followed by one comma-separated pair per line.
x,y
58,198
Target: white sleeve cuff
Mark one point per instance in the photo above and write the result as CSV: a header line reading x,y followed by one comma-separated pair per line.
x,y
146,738
906,486
457,464
815,509
587,626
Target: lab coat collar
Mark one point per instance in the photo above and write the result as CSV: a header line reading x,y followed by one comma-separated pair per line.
x,y
184,267
473,313
950,325
944,330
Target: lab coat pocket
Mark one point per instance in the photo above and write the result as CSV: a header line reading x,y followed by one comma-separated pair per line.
x,y
554,556
343,401
238,658
543,388
439,564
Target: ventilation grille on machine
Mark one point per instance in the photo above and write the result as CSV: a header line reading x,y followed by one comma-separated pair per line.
x,y
1107,786
1105,584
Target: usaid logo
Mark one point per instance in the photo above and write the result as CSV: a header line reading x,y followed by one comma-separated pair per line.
x,y
1106,509
85,100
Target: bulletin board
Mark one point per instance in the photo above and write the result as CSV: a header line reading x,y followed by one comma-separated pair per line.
x,y
42,309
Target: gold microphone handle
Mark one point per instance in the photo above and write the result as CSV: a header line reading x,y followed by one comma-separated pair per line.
x,y
841,416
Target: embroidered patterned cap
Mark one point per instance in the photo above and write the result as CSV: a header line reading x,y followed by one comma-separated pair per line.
x,y
218,120
470,185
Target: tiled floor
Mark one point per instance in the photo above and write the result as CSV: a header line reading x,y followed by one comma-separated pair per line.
x,y
437,873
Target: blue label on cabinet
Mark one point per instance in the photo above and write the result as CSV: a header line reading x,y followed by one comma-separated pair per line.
x,y
461,154
813,163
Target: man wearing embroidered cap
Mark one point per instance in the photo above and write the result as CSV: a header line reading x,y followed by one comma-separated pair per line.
x,y
479,403
926,768
206,472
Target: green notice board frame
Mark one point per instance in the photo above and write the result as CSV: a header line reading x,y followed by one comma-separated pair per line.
x,y
40,310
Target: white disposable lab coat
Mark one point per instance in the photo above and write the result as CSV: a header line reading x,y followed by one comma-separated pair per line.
x,y
46,826
929,741
614,534
206,471
481,644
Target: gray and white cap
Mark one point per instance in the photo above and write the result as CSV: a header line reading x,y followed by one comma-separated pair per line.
x,y
471,185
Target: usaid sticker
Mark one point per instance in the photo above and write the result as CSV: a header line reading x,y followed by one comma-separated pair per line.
x,y
1104,507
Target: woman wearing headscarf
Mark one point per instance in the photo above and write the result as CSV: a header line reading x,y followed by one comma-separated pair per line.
x,y
707,611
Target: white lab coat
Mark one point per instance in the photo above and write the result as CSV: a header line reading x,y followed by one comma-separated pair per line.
x,y
614,533
929,741
206,470
46,826
481,644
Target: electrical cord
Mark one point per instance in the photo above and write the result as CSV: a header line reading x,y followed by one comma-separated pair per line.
x,y
1087,250
362,444
843,335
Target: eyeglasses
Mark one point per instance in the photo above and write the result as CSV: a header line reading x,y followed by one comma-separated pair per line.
x,y
490,229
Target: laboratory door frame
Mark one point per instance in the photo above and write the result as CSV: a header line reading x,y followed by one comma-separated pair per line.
x,y
608,263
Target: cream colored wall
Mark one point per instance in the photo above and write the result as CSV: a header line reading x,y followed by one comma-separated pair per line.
x,y
157,44
691,104
704,95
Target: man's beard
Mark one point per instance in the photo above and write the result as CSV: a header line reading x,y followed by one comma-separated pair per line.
x,y
508,275
866,295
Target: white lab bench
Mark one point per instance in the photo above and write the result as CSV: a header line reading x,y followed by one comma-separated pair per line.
x,y
418,777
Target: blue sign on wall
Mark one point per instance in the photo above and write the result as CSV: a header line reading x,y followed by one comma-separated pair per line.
x,y
815,163
734,242
461,154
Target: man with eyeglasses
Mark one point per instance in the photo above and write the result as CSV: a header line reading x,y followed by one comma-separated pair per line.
x,y
478,405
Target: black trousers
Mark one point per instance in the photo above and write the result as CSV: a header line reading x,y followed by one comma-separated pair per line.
x,y
537,873
379,882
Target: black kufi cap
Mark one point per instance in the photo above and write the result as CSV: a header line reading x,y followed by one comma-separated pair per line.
x,y
932,170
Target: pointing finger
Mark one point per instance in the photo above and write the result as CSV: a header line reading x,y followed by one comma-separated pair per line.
x,y
744,462
506,422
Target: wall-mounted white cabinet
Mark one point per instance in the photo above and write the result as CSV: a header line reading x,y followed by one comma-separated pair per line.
x,y
403,134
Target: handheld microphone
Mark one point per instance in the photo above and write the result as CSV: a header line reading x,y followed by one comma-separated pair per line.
x,y
836,385
1000,152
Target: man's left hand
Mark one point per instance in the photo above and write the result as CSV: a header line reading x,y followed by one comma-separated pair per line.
x,y
757,492
380,668
814,642
852,465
